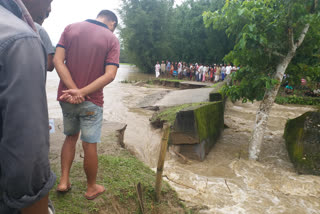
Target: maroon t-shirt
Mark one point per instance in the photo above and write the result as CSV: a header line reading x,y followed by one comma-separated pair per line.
x,y
90,46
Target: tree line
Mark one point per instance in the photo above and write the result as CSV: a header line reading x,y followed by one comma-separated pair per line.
x,y
155,30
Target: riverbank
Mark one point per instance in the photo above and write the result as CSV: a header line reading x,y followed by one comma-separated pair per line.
x,y
226,182
120,173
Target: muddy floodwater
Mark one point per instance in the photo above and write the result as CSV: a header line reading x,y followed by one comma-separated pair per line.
x,y
226,182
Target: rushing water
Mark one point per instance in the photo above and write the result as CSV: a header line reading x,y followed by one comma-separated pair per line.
x,y
226,182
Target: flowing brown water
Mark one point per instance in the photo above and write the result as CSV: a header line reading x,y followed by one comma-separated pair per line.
x,y
226,182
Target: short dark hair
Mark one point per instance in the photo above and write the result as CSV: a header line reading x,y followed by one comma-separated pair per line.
x,y
109,15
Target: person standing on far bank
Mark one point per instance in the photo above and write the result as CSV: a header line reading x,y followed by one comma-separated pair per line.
x,y
168,68
163,68
157,69
86,59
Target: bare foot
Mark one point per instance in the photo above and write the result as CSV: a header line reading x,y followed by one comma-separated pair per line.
x,y
94,191
63,187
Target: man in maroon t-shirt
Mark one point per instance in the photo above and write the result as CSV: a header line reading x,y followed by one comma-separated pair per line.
x,y
86,59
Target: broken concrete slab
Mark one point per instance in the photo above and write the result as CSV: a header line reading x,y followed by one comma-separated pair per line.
x,y
180,97
302,136
197,128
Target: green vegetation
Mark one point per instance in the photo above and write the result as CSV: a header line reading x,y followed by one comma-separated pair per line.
x,y
157,30
172,80
120,175
264,30
126,81
209,129
127,64
169,115
293,99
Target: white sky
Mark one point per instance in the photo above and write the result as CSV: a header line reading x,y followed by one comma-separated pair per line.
x,y
65,12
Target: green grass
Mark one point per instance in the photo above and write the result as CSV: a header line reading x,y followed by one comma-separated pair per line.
x,y
127,64
120,175
172,80
129,81
169,115
212,86
293,99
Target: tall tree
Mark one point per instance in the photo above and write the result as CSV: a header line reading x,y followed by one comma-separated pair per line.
x,y
191,40
157,30
268,35
146,26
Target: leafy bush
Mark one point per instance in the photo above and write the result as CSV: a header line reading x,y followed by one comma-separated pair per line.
x,y
298,100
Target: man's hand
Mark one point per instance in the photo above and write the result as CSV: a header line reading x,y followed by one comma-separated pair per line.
x,y
73,96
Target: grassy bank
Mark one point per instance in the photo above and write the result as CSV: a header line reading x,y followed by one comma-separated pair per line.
x,y
298,96
119,174
293,99
168,115
127,64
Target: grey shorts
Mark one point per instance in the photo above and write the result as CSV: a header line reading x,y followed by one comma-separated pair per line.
x,y
85,117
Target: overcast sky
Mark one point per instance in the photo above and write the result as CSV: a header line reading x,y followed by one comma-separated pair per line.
x,y
64,12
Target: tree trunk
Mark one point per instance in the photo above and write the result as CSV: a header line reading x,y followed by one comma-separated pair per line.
x,y
270,95
263,111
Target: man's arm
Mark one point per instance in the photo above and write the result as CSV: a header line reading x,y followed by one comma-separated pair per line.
x,y
50,66
48,46
65,76
101,82
62,69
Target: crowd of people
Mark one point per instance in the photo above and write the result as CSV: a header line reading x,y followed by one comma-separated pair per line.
x,y
194,71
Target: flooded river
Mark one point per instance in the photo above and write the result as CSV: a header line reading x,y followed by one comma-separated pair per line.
x,y
226,182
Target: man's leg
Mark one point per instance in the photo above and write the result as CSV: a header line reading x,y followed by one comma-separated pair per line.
x,y
90,165
67,157
91,125
71,126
